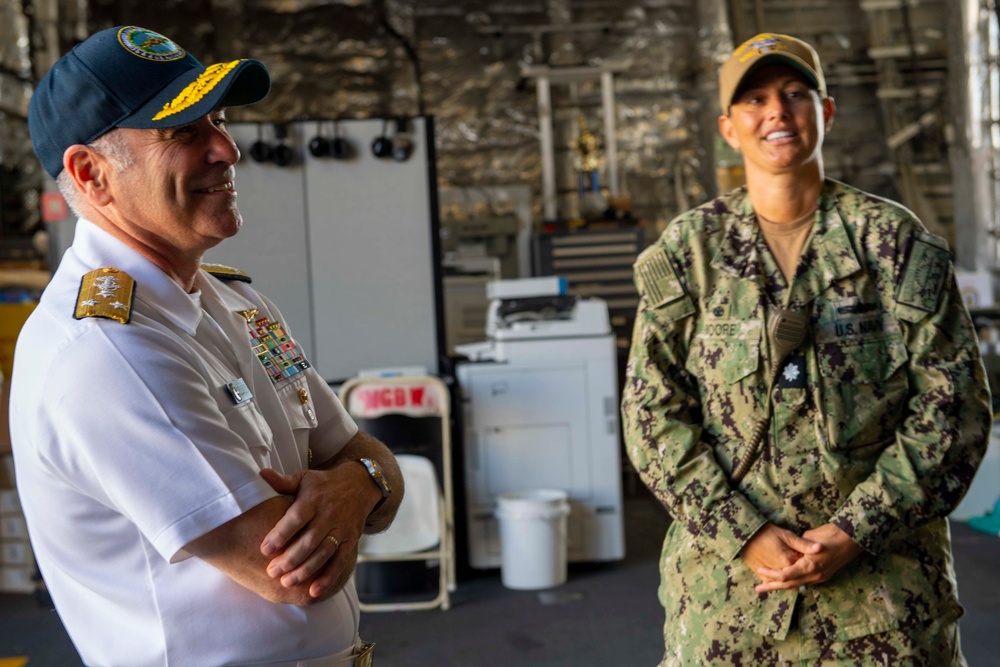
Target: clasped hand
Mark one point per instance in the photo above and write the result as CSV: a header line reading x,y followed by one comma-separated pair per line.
x,y
325,503
781,559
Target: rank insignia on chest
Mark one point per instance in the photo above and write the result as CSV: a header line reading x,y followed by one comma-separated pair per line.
x,y
281,356
793,375
107,292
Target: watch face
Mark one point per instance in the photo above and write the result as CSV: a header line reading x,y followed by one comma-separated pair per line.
x,y
375,470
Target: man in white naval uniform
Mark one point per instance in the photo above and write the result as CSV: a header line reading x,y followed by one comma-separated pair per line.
x,y
194,490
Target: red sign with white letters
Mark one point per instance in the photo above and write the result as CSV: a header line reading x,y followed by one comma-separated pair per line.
x,y
413,399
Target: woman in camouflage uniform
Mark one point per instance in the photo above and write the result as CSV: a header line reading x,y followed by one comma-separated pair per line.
x,y
809,468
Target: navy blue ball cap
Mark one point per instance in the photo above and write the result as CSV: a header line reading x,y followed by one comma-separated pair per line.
x,y
136,78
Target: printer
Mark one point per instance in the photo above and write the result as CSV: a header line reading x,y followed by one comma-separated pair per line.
x,y
540,404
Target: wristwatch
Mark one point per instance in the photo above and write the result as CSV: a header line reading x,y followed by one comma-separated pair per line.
x,y
375,471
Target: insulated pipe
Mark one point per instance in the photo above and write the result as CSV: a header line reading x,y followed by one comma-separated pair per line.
x,y
549,209
610,140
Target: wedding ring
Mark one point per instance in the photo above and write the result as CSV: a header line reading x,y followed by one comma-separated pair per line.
x,y
336,542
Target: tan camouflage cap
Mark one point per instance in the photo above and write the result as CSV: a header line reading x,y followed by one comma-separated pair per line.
x,y
763,49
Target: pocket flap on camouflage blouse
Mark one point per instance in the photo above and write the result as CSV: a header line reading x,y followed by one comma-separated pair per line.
x,y
861,350
730,347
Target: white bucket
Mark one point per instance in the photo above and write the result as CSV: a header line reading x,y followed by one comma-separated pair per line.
x,y
532,538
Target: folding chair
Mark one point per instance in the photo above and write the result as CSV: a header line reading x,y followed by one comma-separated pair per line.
x,y
411,416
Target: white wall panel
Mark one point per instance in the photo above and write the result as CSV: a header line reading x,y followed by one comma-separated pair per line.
x,y
271,246
371,252
346,248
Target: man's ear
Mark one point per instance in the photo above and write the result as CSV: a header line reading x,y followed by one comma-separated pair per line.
x,y
89,171
728,132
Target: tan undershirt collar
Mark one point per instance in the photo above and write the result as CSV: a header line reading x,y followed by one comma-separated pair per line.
x,y
786,240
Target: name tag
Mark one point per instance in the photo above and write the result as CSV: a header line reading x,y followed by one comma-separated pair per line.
x,y
239,390
729,329
854,329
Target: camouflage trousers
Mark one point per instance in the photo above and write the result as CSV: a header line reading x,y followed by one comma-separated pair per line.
x,y
933,643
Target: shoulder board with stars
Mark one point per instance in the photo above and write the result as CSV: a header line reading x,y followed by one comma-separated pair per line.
x,y
106,292
223,272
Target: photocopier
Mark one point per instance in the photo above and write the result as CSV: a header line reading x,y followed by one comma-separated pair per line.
x,y
540,405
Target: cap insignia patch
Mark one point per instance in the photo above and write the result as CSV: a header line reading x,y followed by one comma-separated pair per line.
x,y
149,45
197,89
767,44
107,293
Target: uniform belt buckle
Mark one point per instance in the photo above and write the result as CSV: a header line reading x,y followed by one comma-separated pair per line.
x,y
367,655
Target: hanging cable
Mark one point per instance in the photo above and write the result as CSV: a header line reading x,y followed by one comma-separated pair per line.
x,y
411,52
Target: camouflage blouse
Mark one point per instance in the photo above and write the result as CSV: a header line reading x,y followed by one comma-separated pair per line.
x,y
879,419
